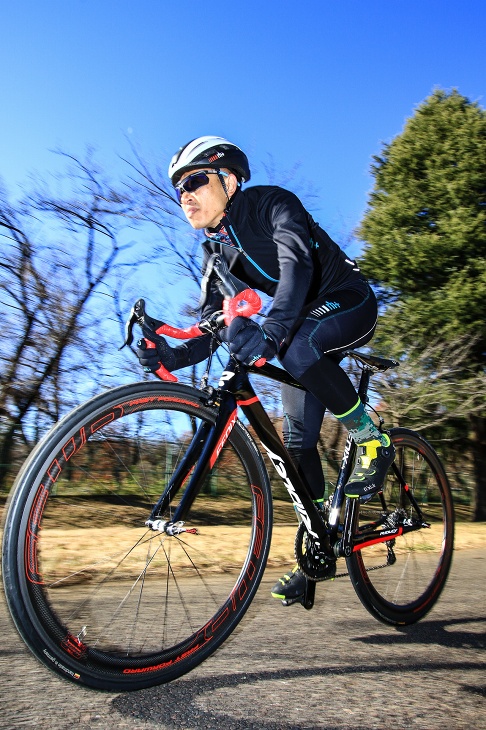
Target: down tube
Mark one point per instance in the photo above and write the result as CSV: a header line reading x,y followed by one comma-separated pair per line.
x,y
303,502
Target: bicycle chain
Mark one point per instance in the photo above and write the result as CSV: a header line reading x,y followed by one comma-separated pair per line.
x,y
314,563
368,570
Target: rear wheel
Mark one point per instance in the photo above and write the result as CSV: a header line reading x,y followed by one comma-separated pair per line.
x,y
399,581
98,597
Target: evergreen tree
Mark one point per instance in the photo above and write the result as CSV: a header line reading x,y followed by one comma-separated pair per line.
x,y
425,241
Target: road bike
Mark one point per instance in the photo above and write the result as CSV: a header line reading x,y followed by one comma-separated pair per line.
x,y
139,528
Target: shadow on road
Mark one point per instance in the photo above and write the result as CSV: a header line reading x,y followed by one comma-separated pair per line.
x,y
175,705
442,633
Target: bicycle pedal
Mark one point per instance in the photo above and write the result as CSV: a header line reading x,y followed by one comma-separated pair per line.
x,y
306,599
309,595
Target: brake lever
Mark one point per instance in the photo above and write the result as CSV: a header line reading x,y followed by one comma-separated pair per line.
x,y
149,327
138,315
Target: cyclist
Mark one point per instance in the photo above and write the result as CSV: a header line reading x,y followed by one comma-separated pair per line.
x,y
322,305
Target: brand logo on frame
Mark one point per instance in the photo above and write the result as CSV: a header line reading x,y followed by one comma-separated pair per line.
x,y
279,465
225,376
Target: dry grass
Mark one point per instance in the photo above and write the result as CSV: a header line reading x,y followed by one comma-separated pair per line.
x,y
75,548
77,540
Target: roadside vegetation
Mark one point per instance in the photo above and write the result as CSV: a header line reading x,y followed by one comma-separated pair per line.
x,y
78,251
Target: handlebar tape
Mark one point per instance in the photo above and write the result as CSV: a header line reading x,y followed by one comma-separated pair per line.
x,y
244,304
179,334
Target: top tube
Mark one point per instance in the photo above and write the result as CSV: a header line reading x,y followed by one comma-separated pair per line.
x,y
275,373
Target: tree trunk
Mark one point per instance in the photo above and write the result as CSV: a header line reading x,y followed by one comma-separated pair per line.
x,y
6,447
478,442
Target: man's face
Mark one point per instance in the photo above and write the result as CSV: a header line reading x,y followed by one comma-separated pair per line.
x,y
205,206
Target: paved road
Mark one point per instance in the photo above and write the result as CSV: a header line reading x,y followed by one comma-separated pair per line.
x,y
278,672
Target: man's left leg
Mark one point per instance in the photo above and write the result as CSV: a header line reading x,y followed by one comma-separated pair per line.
x,y
302,419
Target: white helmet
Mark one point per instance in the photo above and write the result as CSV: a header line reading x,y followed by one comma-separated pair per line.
x,y
211,152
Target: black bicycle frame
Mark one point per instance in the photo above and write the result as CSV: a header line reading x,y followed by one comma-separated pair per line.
x,y
235,391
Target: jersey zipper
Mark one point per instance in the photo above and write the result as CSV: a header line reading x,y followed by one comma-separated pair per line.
x,y
242,250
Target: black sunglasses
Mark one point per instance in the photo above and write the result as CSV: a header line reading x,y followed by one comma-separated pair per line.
x,y
194,181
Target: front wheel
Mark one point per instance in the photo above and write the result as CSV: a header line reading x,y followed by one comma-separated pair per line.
x,y
400,580
99,598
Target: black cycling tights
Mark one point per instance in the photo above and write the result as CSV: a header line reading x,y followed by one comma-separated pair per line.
x,y
330,325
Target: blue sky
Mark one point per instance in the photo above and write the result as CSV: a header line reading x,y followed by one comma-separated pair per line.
x,y
313,82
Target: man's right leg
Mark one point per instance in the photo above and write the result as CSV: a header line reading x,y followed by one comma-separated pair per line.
x,y
313,357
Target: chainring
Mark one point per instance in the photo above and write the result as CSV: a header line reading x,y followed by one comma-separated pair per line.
x,y
313,562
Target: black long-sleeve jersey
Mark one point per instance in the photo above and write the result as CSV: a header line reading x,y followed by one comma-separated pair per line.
x,y
272,244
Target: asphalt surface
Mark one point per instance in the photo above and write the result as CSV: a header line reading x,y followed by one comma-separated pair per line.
x,y
334,667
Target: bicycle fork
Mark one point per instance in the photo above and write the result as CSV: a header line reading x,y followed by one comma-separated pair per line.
x,y
197,462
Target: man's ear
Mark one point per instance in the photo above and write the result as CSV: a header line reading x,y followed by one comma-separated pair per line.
x,y
231,184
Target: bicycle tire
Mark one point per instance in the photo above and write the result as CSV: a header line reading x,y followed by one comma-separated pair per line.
x,y
96,596
402,592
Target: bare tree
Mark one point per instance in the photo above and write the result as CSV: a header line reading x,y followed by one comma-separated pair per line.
x,y
429,387
58,251
437,391
176,245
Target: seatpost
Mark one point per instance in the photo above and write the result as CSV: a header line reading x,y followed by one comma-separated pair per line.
x,y
364,383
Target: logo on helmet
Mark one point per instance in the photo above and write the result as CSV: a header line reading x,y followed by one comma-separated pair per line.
x,y
215,157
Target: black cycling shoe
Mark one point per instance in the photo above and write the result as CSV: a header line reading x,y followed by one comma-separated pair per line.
x,y
374,460
291,586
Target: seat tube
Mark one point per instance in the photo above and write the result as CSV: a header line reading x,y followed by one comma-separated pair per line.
x,y
342,479
346,463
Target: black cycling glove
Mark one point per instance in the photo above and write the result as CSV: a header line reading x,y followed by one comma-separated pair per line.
x,y
152,357
248,341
